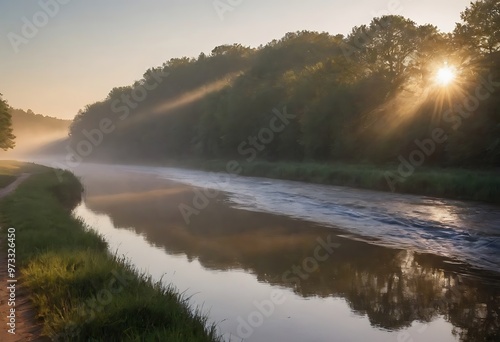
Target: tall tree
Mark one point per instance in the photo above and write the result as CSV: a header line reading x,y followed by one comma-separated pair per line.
x,y
6,136
394,40
480,29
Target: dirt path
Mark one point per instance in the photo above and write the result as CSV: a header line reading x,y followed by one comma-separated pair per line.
x,y
27,329
13,186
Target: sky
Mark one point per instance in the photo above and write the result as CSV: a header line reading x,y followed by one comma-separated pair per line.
x,y
57,56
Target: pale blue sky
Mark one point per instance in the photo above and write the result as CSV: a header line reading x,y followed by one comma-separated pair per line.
x,y
91,46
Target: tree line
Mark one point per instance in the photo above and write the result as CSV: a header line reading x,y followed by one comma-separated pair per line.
x,y
23,131
365,97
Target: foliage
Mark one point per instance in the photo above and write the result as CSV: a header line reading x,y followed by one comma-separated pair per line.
x,y
481,26
81,292
464,184
366,97
6,136
27,123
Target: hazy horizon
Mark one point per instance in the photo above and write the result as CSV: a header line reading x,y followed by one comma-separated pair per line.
x,y
338,160
86,49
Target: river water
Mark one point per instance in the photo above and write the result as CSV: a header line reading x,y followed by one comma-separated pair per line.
x,y
272,260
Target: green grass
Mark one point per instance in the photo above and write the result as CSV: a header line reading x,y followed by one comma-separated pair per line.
x,y
12,167
6,180
9,170
80,291
464,184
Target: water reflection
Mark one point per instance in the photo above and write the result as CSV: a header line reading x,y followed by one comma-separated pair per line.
x,y
393,288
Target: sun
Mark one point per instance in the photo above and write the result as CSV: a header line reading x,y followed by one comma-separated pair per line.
x,y
446,75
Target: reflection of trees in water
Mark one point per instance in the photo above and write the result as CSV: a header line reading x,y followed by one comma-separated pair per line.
x,y
413,292
393,288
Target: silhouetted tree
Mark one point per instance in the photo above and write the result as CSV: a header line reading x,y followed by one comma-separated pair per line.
x,y
6,136
480,30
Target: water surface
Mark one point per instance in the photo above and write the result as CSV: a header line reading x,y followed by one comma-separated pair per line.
x,y
401,267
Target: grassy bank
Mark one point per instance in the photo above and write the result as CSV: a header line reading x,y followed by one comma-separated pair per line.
x,y
6,180
477,185
81,292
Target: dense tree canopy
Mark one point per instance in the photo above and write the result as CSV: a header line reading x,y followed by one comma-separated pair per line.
x,y
27,123
481,26
368,96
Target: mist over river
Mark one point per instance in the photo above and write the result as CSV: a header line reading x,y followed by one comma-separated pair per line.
x,y
273,260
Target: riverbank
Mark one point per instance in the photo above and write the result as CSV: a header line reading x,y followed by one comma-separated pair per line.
x,y
462,184
79,290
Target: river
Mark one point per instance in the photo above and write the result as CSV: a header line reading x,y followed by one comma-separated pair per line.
x,y
272,260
